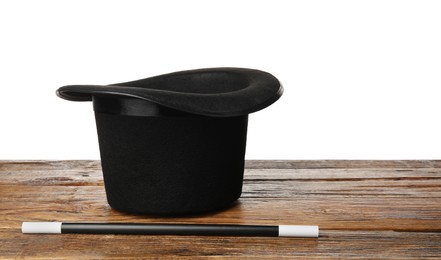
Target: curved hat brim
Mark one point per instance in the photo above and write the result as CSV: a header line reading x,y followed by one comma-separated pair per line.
x,y
216,92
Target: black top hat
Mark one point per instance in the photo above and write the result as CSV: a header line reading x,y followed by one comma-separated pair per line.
x,y
175,144
217,92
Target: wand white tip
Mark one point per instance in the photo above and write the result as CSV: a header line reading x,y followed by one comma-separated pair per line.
x,y
298,231
41,227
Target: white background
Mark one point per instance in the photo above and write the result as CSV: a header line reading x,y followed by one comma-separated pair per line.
x,y
362,78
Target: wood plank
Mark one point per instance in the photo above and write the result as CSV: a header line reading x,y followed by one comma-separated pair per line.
x,y
344,164
336,244
359,208
249,164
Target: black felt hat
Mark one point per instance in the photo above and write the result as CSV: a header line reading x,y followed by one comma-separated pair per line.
x,y
175,143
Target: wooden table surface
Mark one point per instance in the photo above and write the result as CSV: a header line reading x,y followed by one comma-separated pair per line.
x,y
365,209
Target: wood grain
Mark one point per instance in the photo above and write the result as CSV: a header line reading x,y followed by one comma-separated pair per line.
x,y
365,209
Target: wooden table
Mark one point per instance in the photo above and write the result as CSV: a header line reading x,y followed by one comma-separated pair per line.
x,y
365,209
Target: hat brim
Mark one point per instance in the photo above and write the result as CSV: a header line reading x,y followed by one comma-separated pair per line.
x,y
218,92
